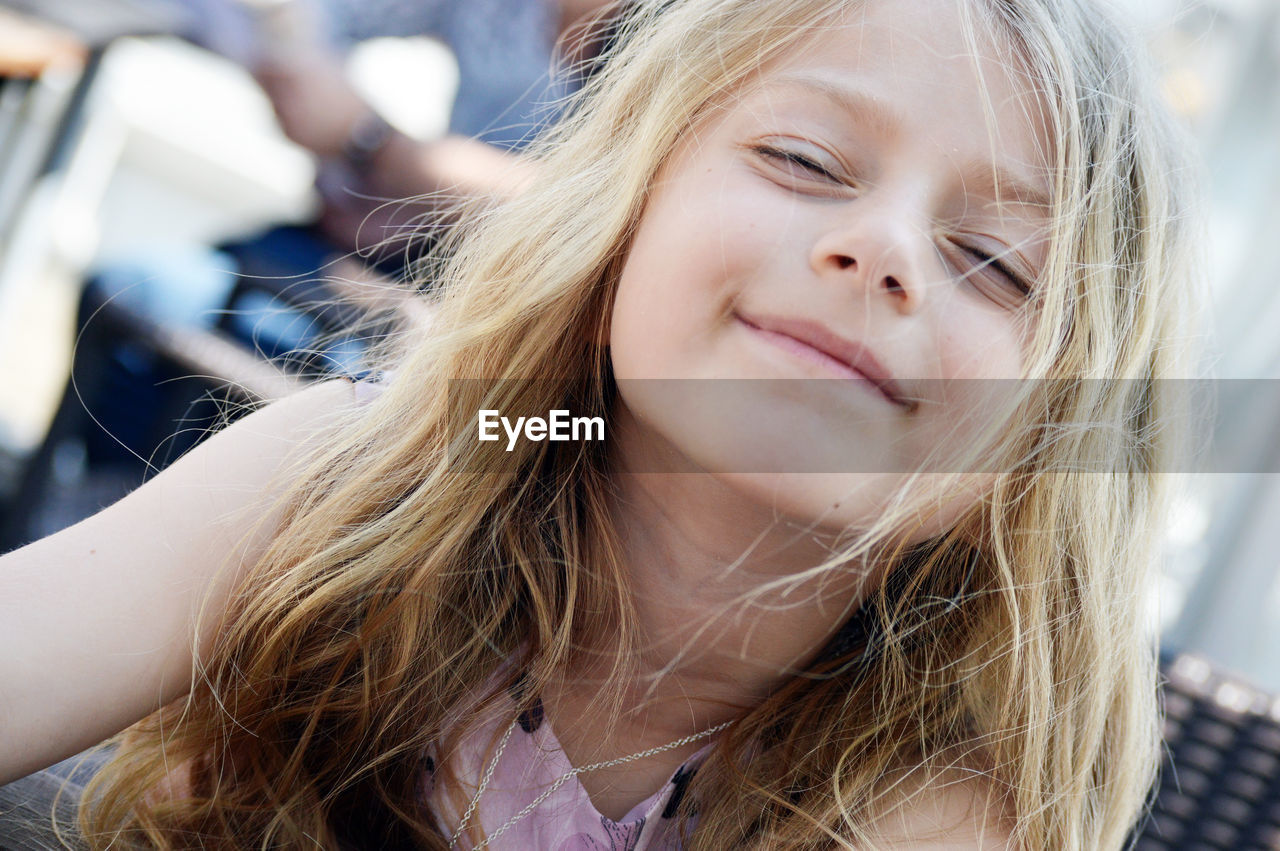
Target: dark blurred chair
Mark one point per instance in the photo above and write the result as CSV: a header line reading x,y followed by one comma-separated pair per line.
x,y
1220,783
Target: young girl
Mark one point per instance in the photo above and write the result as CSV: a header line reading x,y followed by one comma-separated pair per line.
x,y
865,598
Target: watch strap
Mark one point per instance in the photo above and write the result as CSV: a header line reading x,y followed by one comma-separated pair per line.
x,y
367,139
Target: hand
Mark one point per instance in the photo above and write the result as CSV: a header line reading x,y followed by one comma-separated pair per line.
x,y
28,47
315,104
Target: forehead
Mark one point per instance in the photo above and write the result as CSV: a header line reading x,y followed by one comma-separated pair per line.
x,y
934,74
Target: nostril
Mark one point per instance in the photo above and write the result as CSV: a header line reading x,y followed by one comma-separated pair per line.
x,y
892,285
845,262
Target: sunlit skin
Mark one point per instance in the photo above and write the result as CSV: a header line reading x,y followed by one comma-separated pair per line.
x,y
848,184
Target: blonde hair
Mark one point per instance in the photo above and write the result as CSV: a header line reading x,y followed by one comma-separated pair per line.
x,y
413,561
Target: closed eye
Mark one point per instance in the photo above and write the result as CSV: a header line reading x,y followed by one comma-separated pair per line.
x,y
990,261
793,158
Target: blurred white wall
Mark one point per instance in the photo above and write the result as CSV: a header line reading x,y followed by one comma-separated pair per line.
x,y
1221,65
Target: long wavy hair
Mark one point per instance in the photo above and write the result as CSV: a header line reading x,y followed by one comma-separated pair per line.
x,y
414,563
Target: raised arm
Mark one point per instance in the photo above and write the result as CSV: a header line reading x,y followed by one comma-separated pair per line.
x,y
97,622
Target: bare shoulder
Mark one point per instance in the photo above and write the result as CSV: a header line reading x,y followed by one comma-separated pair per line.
x,y
955,809
284,422
102,622
241,467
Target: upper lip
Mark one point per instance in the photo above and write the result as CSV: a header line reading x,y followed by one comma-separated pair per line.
x,y
853,355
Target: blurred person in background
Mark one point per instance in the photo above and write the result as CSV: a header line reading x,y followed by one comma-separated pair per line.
x,y
506,51
133,410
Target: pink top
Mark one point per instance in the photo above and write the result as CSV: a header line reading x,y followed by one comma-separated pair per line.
x,y
566,820
531,763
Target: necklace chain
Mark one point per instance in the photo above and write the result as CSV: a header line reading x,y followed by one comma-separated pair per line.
x,y
560,781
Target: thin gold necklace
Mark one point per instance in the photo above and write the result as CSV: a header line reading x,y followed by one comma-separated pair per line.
x,y
560,781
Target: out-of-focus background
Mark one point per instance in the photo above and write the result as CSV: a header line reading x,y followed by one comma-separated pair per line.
x,y
137,150
160,235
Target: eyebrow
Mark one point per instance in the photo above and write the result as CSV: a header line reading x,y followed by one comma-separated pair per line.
x,y
884,118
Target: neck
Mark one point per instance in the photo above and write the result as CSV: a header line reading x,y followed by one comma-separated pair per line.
x,y
712,644
708,636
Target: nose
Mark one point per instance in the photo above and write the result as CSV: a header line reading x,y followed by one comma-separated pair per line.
x,y
879,248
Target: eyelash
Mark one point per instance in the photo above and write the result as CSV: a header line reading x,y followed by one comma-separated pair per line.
x,y
784,155
990,261
985,260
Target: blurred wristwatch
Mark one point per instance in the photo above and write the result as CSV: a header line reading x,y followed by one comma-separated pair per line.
x,y
368,137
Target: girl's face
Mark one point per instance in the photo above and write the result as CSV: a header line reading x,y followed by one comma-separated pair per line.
x,y
833,220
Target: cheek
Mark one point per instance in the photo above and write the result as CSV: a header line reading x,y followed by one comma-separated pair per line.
x,y
981,356
650,328
635,320
980,343
688,264
640,327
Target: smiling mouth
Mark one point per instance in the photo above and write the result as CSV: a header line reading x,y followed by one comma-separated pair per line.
x,y
830,364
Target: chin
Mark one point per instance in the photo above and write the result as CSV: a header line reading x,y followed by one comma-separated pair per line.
x,y
834,503
845,505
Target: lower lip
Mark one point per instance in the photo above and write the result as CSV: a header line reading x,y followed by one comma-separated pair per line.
x,y
808,353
